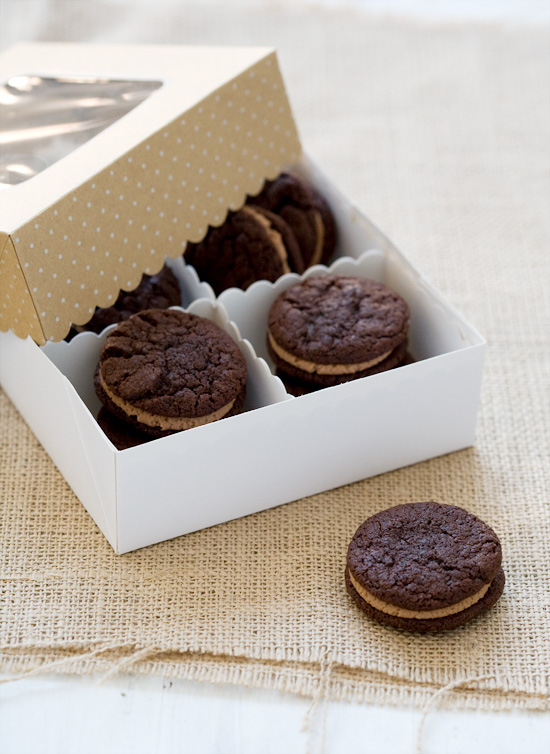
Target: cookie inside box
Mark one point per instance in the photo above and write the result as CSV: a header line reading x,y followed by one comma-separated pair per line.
x,y
78,358
361,252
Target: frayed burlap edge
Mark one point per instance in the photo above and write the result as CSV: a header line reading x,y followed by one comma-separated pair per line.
x,y
330,680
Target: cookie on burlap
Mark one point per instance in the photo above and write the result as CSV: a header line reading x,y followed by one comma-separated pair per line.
x,y
334,328
305,210
252,244
164,370
159,291
424,567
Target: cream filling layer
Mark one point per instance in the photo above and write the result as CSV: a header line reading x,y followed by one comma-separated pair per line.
x,y
165,422
320,240
312,368
402,612
274,236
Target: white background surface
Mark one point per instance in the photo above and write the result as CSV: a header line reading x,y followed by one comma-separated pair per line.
x,y
65,715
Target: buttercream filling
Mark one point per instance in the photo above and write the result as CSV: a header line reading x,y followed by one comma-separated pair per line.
x,y
165,422
274,236
313,368
402,612
320,239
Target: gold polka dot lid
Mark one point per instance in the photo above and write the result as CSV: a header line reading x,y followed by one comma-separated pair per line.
x,y
136,193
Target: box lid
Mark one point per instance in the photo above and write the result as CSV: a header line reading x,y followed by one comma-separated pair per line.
x,y
94,221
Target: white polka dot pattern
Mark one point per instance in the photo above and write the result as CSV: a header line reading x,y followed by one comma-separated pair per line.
x,y
152,200
16,308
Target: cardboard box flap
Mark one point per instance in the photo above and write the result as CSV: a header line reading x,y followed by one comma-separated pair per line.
x,y
182,174
17,310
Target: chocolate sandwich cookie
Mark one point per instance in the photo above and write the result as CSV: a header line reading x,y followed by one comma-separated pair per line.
x,y
334,328
424,567
297,387
120,433
164,370
159,291
276,226
306,211
252,244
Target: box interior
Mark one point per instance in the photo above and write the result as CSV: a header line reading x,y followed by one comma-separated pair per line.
x,y
435,328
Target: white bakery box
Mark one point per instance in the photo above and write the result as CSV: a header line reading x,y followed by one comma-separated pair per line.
x,y
181,134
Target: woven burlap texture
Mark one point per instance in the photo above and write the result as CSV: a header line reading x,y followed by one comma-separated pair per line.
x,y
441,135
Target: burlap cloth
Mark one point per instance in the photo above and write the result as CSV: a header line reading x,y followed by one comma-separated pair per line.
x,y
441,135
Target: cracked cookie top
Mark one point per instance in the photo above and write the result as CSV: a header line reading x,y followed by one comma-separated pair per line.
x,y
424,556
172,364
338,319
